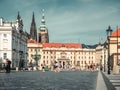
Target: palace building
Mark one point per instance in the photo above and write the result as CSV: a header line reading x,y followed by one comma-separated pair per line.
x,y
73,54
41,51
67,53
13,42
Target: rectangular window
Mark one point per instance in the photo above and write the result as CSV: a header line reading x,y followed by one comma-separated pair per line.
x,y
35,50
31,55
47,61
5,55
5,40
89,62
81,62
78,63
85,62
5,35
43,57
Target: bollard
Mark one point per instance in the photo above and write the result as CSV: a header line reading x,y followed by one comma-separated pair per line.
x,y
16,68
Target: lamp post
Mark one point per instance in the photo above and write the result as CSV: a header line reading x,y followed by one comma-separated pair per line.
x,y
101,67
13,58
108,31
0,63
104,59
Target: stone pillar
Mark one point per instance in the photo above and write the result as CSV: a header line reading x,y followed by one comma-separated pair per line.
x,y
116,68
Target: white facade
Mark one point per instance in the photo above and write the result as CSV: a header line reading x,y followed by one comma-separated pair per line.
x,y
5,43
13,42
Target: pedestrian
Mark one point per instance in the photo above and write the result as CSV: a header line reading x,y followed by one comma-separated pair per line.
x,y
31,66
3,67
57,68
8,68
43,67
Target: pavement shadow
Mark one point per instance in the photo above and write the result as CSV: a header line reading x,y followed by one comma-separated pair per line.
x,y
108,83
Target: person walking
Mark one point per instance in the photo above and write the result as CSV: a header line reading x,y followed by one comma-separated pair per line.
x,y
43,67
8,68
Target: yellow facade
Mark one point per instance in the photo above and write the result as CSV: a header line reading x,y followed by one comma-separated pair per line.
x,y
76,57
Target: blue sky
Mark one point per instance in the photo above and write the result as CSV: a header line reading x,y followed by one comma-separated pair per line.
x,y
68,21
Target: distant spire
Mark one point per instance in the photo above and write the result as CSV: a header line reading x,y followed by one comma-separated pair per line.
x,y
33,18
43,31
43,25
18,16
43,12
43,17
33,31
109,27
100,40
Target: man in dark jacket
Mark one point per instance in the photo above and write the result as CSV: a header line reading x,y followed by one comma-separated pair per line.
x,y
8,68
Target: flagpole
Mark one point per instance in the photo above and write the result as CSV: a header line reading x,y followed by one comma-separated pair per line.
x,y
117,44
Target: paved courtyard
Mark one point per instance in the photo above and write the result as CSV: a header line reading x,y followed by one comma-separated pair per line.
x,y
114,79
37,80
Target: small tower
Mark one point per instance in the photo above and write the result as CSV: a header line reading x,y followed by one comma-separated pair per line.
x,y
33,31
43,31
18,17
19,23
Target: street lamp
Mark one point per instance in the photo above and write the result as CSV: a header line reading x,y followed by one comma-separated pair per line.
x,y
108,31
104,59
0,63
101,67
13,58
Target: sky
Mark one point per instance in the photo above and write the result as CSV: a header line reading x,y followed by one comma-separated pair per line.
x,y
68,21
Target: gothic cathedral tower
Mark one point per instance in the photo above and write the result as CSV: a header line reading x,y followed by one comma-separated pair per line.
x,y
43,31
33,31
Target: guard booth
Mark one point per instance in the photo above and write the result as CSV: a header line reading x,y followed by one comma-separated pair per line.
x,y
115,63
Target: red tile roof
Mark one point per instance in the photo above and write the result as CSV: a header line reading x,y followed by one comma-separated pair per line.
x,y
115,33
59,45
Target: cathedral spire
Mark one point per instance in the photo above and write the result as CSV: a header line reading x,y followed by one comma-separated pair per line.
x,y
43,31
33,31
33,18
19,23
43,25
43,15
18,16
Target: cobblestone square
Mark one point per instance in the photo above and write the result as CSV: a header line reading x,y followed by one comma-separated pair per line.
x,y
37,80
